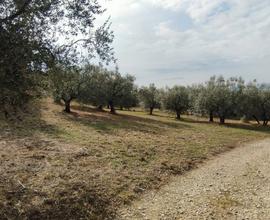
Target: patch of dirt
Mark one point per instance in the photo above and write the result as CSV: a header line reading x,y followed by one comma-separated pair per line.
x,y
235,185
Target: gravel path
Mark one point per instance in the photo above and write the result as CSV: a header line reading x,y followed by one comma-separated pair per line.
x,y
235,185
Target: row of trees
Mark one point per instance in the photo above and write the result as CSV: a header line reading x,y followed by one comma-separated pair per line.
x,y
32,53
93,85
231,98
36,36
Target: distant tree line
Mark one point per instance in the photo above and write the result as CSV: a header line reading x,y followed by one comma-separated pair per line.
x,y
34,63
218,97
233,98
93,85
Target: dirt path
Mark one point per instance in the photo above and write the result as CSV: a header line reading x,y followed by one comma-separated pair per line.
x,y
235,185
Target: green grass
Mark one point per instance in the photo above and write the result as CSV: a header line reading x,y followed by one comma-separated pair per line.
x,y
91,162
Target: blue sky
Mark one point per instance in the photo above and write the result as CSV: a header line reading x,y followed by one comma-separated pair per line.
x,y
170,42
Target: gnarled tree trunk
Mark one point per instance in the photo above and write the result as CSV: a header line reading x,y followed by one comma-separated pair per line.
x,y
257,120
211,117
100,107
222,119
112,109
178,114
151,110
67,106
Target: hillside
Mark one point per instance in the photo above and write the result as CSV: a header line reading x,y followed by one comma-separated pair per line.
x,y
89,163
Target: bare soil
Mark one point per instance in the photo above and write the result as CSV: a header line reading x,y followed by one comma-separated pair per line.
x,y
235,185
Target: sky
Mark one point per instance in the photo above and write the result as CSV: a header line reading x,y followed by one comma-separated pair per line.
x,y
182,42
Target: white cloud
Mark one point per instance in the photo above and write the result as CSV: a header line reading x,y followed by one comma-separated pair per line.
x,y
122,8
222,36
168,4
198,10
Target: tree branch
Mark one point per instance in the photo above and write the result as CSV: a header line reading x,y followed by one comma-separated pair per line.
x,y
18,13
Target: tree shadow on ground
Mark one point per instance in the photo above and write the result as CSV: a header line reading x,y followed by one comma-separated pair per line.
x,y
27,128
250,127
106,122
87,109
242,126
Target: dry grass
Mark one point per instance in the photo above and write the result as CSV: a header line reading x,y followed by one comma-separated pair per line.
x,y
224,201
87,164
223,204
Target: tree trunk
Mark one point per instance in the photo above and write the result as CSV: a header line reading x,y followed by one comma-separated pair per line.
x,y
100,107
112,109
111,105
211,117
151,110
67,106
257,120
178,115
222,120
6,114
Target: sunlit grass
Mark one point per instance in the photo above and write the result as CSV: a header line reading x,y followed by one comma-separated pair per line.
x,y
116,157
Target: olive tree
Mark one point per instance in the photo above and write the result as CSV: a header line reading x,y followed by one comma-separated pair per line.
x,y
176,99
150,97
221,97
103,87
94,89
66,84
265,104
119,90
30,44
130,98
205,102
194,91
256,102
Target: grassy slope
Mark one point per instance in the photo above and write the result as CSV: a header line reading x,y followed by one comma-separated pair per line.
x,y
86,164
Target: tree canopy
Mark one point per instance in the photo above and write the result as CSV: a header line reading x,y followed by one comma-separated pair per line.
x,y
150,97
176,99
37,35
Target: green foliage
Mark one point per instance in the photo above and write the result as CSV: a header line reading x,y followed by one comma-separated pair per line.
x,y
93,89
194,92
119,89
176,99
255,102
151,97
30,46
129,98
220,97
102,87
223,98
66,84
205,99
